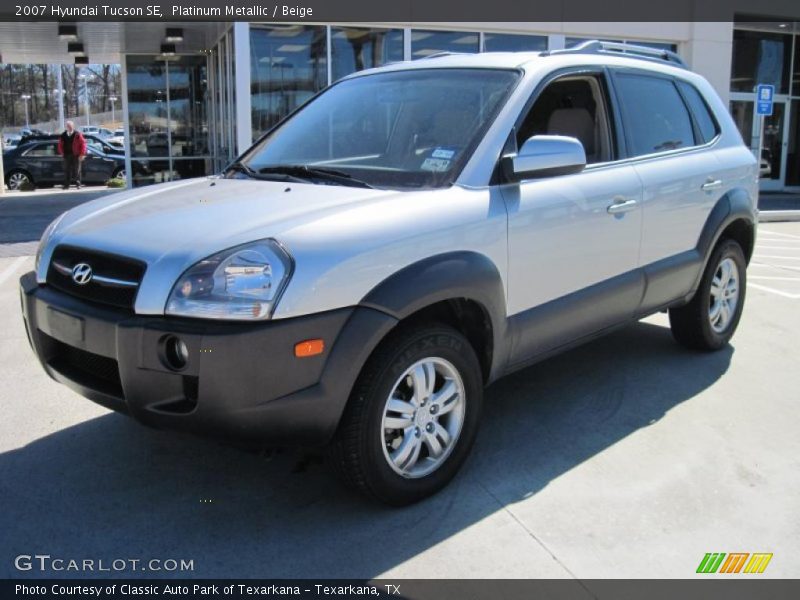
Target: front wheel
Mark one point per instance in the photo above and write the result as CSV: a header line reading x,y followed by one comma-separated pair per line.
x,y
412,417
709,321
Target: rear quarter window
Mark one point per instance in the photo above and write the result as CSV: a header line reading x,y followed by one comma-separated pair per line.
x,y
655,116
706,123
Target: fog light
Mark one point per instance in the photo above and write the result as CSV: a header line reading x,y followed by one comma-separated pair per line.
x,y
176,353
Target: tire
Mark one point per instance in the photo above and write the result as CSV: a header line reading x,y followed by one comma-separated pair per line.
x,y
363,448
118,173
705,323
16,179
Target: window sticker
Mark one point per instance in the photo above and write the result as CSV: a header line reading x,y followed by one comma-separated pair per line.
x,y
443,153
436,165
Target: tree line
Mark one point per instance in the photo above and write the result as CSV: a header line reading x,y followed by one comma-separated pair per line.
x,y
40,83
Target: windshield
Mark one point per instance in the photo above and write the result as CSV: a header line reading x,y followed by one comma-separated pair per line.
x,y
414,128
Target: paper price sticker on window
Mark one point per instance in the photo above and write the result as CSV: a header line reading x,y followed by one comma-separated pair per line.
x,y
437,165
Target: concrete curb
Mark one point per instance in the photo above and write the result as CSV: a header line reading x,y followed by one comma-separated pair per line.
x,y
773,216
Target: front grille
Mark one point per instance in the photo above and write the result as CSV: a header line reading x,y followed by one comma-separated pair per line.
x,y
115,279
86,368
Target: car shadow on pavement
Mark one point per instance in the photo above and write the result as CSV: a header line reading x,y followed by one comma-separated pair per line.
x,y
110,488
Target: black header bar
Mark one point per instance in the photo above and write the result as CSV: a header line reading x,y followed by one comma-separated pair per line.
x,y
395,10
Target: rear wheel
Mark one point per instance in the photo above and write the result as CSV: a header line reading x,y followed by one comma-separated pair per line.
x,y
412,417
119,174
709,321
18,179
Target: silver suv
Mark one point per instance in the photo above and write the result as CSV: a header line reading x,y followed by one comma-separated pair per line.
x,y
414,232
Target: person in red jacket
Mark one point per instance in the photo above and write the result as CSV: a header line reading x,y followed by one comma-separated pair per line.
x,y
72,146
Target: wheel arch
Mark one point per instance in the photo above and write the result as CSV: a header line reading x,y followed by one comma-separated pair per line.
x,y
733,217
462,289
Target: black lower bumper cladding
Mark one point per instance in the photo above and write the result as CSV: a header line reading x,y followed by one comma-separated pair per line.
x,y
241,380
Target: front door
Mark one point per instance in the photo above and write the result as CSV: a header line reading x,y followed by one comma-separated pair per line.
x,y
573,240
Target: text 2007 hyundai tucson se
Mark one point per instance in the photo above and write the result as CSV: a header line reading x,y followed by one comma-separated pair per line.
x,y
405,238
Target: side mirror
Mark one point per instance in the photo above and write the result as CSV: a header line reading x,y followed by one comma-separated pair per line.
x,y
545,156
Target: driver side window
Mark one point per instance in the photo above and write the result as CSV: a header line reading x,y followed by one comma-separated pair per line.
x,y
575,106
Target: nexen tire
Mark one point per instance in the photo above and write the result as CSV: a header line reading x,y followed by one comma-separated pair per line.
x,y
359,451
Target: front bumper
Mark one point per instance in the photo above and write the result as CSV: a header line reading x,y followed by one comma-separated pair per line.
x,y
242,381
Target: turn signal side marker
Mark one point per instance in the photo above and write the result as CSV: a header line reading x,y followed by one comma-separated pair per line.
x,y
309,348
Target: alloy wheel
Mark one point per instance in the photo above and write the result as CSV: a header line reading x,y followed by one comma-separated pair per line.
x,y
423,417
724,295
17,180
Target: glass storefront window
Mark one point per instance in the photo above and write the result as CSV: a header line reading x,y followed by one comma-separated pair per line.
x,y
574,41
656,45
796,74
425,43
147,106
793,147
760,57
188,107
354,49
288,65
167,115
742,113
503,42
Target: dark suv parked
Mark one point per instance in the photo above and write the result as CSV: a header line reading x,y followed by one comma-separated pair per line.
x,y
39,163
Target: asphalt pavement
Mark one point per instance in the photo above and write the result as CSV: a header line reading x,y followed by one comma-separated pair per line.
x,y
627,457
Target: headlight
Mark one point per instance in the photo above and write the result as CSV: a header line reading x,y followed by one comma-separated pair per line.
x,y
45,237
241,283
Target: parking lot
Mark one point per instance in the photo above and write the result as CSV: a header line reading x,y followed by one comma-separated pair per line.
x,y
628,457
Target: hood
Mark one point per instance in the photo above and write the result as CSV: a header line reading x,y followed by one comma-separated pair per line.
x,y
201,216
172,226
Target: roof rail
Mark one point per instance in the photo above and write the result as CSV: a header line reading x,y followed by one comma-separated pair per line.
x,y
442,53
630,50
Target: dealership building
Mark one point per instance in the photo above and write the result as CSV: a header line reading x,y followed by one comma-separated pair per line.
x,y
195,94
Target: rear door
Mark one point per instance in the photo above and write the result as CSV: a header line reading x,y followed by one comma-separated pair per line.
x,y
672,153
44,164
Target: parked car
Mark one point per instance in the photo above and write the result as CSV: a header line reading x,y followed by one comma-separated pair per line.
x,y
10,140
29,132
415,232
118,138
104,145
100,144
39,163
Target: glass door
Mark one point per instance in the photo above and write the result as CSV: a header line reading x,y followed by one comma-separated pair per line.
x,y
793,147
773,149
773,167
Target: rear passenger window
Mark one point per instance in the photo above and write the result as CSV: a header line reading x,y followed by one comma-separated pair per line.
x,y
702,115
656,118
42,150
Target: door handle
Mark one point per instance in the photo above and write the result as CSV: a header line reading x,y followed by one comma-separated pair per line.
x,y
621,206
711,184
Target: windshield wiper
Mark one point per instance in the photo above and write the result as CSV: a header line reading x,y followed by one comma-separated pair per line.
x,y
242,168
306,172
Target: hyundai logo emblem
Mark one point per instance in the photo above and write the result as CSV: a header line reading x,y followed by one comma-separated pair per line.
x,y
81,273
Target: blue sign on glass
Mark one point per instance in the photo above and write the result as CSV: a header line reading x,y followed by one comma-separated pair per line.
x,y
764,99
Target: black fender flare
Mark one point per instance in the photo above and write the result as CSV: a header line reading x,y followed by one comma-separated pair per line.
x,y
735,205
453,275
